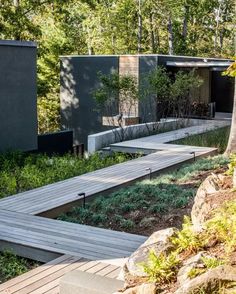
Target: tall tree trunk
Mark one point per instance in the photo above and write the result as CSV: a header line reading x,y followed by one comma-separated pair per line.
x,y
231,147
170,36
222,39
153,41
217,25
185,22
140,27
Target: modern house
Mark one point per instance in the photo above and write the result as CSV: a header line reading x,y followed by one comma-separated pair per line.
x,y
79,76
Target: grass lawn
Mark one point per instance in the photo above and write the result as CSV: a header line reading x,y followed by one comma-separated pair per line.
x,y
20,171
217,138
12,266
149,205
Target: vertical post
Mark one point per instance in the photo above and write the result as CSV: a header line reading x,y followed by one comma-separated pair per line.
x,y
194,155
83,194
150,172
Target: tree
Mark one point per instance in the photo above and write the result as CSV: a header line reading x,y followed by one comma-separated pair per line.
x,y
231,147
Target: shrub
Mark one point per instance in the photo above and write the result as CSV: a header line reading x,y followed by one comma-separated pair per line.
x,y
187,239
11,265
20,171
222,226
163,268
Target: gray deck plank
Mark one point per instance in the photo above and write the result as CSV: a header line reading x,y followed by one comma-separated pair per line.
x,y
65,238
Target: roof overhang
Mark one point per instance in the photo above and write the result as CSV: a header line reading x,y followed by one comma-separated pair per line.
x,y
215,64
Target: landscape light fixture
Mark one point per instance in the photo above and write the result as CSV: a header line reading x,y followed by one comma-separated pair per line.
x,y
150,172
82,195
194,155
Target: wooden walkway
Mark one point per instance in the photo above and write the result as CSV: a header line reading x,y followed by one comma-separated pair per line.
x,y
55,198
45,279
43,239
158,142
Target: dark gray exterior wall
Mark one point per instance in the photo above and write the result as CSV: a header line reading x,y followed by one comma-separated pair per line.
x,y
147,106
78,79
18,96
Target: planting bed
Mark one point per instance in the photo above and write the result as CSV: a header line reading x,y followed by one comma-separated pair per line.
x,y
12,266
21,172
149,205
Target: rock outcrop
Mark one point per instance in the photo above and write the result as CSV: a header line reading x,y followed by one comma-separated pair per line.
x,y
158,242
210,282
207,199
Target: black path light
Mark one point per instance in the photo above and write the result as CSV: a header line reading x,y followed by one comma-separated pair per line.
x,y
150,172
194,155
82,195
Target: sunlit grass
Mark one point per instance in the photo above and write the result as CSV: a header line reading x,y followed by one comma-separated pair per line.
x,y
217,138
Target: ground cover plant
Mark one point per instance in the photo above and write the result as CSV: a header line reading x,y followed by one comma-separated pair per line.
x,y
20,171
149,205
217,138
12,265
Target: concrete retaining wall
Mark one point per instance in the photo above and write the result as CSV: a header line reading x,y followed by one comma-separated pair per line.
x,y
104,139
78,282
18,96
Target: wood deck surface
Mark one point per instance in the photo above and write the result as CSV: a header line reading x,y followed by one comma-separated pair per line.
x,y
46,278
59,237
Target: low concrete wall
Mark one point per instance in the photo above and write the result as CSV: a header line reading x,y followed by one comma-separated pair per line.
x,y
104,139
78,282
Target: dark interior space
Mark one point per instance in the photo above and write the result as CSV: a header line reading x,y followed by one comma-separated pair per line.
x,y
222,92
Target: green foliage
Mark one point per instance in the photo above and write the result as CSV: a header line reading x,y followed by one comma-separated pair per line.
x,y
222,226
208,263
211,262
217,138
194,272
116,90
187,239
232,164
231,70
20,172
160,82
171,91
11,265
162,268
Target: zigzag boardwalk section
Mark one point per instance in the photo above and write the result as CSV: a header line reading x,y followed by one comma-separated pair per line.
x,y
46,278
55,198
158,142
45,239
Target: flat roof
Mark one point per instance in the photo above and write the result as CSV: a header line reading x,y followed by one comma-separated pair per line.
x,y
144,55
18,43
198,64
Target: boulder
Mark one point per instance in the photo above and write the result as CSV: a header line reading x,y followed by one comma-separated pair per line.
x,y
189,264
158,242
209,282
206,199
